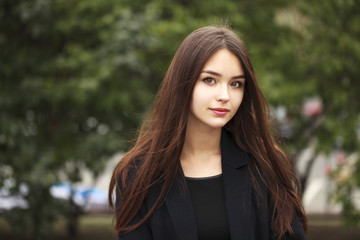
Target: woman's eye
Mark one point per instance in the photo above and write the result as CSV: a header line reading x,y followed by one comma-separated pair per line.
x,y
237,84
209,80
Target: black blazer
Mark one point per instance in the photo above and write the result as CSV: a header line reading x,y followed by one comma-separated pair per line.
x,y
247,216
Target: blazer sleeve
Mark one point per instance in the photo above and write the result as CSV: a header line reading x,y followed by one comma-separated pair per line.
x,y
143,232
298,231
297,227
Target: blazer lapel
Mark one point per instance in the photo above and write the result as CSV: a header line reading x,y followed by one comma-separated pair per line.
x,y
181,211
237,187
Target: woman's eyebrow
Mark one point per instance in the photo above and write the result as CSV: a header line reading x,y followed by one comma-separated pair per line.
x,y
219,75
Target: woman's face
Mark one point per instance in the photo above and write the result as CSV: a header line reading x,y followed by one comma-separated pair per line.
x,y
219,90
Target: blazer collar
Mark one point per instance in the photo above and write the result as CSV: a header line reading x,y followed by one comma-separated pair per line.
x,y
181,210
237,187
231,154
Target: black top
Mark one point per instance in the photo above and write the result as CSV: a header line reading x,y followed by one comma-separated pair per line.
x,y
208,200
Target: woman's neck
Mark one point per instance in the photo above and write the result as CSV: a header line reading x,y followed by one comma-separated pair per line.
x,y
201,153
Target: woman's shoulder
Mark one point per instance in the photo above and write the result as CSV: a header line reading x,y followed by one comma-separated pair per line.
x,y
128,171
133,175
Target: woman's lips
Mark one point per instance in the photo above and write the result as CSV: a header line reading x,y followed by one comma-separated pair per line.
x,y
219,111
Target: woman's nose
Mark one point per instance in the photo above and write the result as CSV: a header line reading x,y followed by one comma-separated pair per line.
x,y
223,95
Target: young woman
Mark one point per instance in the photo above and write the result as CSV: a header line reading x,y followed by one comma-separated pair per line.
x,y
205,165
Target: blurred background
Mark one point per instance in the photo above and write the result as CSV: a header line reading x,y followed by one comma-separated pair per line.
x,y
77,77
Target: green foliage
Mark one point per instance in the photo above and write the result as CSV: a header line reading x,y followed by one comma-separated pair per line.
x,y
71,91
321,60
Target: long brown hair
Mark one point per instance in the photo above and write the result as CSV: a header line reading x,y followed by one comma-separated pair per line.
x,y
155,156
